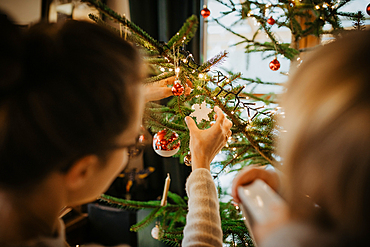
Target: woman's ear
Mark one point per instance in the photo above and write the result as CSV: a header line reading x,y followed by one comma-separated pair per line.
x,y
80,172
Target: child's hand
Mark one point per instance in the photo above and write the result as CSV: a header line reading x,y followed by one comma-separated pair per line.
x,y
205,144
249,174
159,90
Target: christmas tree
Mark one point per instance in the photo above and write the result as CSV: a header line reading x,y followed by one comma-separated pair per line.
x,y
254,125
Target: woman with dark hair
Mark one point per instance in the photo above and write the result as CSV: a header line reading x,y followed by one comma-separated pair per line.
x,y
71,102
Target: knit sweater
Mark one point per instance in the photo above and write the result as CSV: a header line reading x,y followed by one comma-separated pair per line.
x,y
203,222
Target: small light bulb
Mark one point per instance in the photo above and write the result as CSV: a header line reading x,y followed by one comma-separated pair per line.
x,y
317,7
184,60
170,69
232,112
177,70
201,76
162,69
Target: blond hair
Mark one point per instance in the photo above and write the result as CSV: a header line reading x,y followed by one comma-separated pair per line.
x,y
326,150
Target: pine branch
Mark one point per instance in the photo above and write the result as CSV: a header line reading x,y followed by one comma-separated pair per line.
x,y
132,37
156,60
123,20
231,31
185,34
342,3
258,81
180,213
159,122
213,61
129,204
253,96
159,77
242,127
176,198
138,204
235,159
168,239
147,220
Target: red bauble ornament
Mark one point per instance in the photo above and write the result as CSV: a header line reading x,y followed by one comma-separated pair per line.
x,y
142,137
166,147
368,9
274,65
271,21
177,88
205,12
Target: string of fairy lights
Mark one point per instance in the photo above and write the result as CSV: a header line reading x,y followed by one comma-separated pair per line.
x,y
218,79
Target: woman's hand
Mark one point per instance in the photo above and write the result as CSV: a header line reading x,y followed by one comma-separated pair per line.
x,y
160,90
249,174
205,144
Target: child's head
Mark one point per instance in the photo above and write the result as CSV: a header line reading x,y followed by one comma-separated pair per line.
x,y
326,147
68,92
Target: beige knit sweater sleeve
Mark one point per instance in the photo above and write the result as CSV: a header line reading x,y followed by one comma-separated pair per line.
x,y
203,223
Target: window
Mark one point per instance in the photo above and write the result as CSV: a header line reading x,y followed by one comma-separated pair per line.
x,y
253,65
